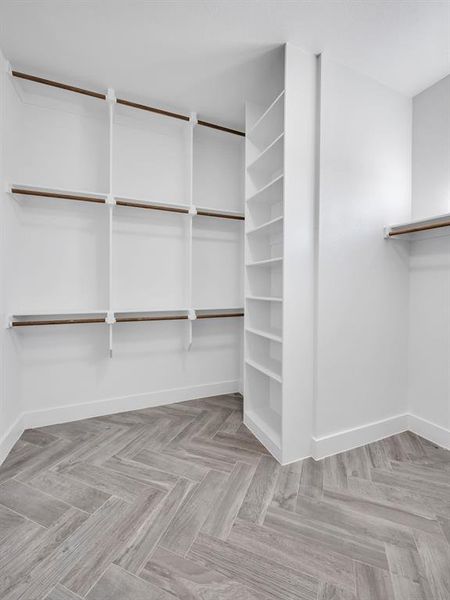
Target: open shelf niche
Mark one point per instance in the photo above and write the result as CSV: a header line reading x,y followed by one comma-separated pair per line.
x,y
279,281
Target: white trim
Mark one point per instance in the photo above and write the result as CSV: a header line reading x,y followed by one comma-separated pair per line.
x,y
10,437
322,447
347,439
109,406
265,440
430,431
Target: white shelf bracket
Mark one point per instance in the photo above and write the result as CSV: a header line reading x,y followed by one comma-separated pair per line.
x,y
192,210
110,200
191,316
387,231
110,320
110,317
111,96
8,322
193,121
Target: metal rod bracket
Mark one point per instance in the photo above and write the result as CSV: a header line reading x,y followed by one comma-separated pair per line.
x,y
111,96
110,200
192,210
192,315
110,318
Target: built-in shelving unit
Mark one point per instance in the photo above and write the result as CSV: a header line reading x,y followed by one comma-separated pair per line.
x,y
264,266
279,258
158,227
437,226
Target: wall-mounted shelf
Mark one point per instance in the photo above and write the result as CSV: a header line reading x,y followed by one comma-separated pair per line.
x,y
97,198
421,229
265,192
24,319
265,298
263,369
270,159
268,227
267,262
268,124
141,160
265,334
122,101
58,194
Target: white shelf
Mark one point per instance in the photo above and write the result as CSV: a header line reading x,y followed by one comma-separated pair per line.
x,y
58,313
264,193
265,334
265,298
265,262
267,371
437,226
265,114
268,227
269,125
149,310
149,202
56,191
269,158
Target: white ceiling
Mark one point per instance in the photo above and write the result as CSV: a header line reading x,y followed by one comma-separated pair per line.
x,y
206,55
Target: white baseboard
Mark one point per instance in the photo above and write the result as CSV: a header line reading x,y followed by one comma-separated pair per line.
x,y
10,437
108,406
430,431
262,436
348,439
321,446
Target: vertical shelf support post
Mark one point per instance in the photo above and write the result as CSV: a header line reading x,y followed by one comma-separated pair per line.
x,y
189,234
110,201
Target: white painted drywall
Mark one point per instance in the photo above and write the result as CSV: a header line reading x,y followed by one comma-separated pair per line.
x,y
10,408
362,309
429,316
58,258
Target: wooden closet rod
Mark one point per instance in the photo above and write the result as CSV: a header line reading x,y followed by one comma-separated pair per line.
x,y
56,322
220,315
159,111
219,215
62,196
161,318
57,84
221,128
414,229
151,206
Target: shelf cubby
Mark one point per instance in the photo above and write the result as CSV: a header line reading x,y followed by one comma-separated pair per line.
x,y
268,126
263,411
264,353
268,164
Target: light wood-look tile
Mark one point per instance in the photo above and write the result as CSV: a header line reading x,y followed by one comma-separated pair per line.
x,y
181,502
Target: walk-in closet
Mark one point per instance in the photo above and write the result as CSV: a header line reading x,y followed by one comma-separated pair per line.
x,y
224,300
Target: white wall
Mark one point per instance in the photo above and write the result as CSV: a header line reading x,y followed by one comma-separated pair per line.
x,y
362,285
429,315
10,408
58,258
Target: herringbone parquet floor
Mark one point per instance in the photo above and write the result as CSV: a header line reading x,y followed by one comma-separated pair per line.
x,y
181,502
